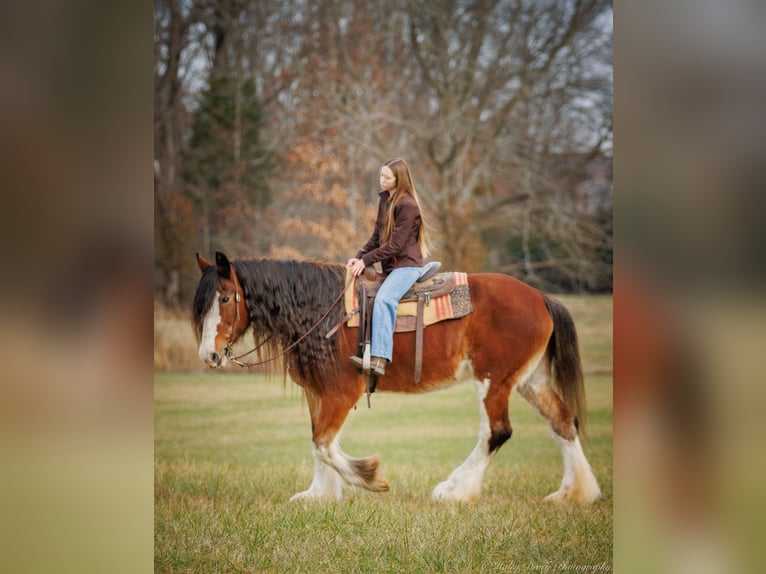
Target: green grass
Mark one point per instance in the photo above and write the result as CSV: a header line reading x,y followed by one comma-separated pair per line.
x,y
230,450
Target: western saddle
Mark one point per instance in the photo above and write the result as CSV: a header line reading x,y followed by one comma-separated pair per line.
x,y
429,285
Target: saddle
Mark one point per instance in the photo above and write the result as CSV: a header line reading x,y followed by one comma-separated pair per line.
x,y
429,284
434,297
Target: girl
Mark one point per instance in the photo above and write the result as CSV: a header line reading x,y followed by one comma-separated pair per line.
x,y
400,243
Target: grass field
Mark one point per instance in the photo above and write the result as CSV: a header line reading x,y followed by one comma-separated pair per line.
x,y
230,450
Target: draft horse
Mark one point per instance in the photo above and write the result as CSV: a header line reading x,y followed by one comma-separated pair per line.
x,y
515,337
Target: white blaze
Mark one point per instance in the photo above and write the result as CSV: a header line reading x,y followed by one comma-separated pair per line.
x,y
209,330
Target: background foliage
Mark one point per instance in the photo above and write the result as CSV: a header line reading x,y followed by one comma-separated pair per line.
x,y
272,118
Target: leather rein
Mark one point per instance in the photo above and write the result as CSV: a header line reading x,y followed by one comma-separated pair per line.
x,y
236,361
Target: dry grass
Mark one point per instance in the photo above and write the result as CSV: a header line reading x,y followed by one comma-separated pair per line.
x,y
175,346
231,448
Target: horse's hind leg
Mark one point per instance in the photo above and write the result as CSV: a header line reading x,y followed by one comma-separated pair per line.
x,y
494,429
579,483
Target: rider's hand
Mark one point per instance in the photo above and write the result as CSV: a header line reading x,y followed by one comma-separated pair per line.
x,y
357,266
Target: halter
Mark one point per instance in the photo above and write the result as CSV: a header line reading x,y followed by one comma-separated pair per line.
x,y
236,361
237,298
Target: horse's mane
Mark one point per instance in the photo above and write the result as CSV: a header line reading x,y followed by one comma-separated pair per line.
x,y
285,299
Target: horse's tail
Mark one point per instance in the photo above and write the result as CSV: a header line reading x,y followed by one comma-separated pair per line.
x,y
564,355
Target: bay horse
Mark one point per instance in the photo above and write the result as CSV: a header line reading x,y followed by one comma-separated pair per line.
x,y
515,337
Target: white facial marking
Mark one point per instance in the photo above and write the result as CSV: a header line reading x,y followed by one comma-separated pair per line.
x,y
209,330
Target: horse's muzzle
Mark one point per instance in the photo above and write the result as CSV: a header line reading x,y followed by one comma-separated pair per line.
x,y
214,360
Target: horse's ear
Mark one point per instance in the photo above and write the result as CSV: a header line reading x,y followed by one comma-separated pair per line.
x,y
223,265
203,263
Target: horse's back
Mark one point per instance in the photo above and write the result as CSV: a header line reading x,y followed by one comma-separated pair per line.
x,y
510,323
498,294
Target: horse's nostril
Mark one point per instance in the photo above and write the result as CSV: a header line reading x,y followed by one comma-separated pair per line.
x,y
215,357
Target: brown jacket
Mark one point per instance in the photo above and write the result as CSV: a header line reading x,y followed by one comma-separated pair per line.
x,y
403,249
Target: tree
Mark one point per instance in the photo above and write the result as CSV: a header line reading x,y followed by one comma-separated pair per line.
x,y
317,218
501,107
227,166
465,91
200,131
174,39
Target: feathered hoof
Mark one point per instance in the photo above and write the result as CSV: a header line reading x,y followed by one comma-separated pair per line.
x,y
444,491
305,495
311,495
574,495
367,470
451,491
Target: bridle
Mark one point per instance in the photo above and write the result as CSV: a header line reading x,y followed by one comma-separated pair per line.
x,y
227,350
237,298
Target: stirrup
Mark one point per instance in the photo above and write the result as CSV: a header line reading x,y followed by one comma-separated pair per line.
x,y
377,365
358,363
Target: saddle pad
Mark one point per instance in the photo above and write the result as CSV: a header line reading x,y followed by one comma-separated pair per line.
x,y
453,305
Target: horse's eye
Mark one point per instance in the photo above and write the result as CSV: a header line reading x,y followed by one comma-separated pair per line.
x,y
225,299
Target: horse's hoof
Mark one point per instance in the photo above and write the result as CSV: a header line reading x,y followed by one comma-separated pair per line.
x,y
443,491
558,497
309,495
379,485
300,496
367,470
573,495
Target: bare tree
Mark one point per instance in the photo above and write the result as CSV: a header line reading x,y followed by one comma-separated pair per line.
x,y
474,94
501,107
175,46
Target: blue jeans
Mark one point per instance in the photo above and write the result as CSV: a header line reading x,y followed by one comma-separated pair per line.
x,y
394,287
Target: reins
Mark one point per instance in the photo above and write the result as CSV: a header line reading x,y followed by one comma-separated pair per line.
x,y
236,361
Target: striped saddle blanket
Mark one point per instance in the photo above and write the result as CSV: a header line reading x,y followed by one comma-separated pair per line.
x,y
444,296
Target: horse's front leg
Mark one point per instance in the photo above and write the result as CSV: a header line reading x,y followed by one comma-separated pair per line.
x,y
361,472
327,484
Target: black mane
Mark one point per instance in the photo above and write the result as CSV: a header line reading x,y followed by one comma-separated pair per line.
x,y
285,299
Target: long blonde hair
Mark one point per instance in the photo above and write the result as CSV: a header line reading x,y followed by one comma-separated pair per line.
x,y
405,185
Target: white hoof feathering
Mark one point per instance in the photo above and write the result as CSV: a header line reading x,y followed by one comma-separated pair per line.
x,y
464,484
579,483
327,484
444,491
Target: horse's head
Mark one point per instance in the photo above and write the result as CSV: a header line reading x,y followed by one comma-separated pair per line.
x,y
220,314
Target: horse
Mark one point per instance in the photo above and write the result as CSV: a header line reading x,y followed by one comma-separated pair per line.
x,y
516,337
